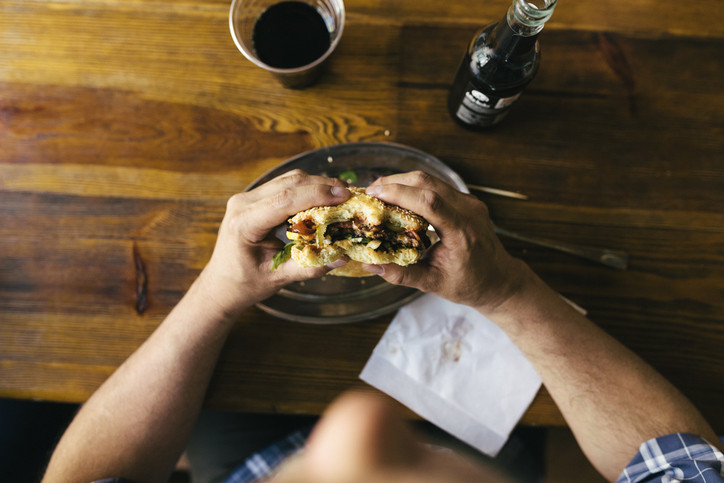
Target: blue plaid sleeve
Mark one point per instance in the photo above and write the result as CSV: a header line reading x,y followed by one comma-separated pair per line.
x,y
674,458
262,465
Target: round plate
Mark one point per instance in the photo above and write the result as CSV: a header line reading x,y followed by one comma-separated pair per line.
x,y
331,299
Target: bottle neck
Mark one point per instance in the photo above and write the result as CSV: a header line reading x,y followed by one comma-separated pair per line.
x,y
527,17
505,42
517,33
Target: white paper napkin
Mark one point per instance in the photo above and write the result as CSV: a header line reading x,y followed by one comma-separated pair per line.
x,y
455,368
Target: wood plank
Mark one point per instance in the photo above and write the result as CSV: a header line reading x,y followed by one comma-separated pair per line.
x,y
51,382
58,289
694,18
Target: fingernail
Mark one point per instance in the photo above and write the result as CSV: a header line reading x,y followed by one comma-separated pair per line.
x,y
376,269
374,190
339,191
340,262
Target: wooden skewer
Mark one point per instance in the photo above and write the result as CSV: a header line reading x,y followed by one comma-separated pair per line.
x,y
499,192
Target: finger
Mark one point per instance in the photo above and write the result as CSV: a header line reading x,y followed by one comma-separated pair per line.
x,y
438,209
433,192
290,179
418,178
292,272
263,215
420,276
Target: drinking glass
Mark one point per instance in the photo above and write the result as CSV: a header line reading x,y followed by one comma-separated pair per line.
x,y
243,16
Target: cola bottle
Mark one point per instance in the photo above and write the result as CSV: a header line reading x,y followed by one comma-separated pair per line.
x,y
499,63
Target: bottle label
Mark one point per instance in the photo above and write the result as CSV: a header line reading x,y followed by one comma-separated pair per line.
x,y
481,109
504,102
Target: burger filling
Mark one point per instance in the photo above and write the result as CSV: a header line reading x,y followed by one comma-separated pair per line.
x,y
378,237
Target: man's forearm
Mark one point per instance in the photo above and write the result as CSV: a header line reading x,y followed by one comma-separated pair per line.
x,y
136,425
612,400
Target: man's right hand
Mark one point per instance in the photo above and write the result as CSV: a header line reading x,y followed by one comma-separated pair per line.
x,y
469,265
239,272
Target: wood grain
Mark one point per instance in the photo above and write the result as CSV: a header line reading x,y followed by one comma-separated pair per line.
x,y
125,127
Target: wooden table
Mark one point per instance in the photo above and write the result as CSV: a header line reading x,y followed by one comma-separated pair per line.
x,y
125,126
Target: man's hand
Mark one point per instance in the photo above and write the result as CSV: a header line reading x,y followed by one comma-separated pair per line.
x,y
469,265
240,270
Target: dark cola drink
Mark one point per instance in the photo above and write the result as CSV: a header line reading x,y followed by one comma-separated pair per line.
x,y
501,60
290,34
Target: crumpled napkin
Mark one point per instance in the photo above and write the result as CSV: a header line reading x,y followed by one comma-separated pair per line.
x,y
455,368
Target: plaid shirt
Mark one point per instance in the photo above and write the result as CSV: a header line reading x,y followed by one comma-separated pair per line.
x,y
262,465
673,458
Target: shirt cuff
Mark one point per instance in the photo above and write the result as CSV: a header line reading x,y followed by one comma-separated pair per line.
x,y
675,457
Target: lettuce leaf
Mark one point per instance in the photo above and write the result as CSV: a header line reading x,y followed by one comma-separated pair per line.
x,y
282,256
349,176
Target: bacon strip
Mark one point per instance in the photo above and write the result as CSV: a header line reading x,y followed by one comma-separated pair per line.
x,y
304,227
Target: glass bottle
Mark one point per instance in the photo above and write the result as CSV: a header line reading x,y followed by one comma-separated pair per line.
x,y
500,62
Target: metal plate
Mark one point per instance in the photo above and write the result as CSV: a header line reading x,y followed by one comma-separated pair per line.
x,y
335,300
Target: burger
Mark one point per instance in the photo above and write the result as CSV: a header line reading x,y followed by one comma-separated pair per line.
x,y
364,228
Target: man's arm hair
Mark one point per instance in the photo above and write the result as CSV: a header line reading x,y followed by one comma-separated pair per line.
x,y
612,400
137,423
